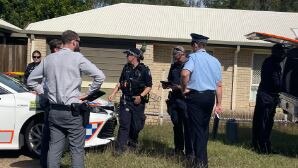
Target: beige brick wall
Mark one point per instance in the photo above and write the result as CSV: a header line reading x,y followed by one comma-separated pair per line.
x,y
243,80
226,58
36,43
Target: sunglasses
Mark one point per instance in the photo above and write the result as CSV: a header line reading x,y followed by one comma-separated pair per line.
x,y
129,55
178,49
36,57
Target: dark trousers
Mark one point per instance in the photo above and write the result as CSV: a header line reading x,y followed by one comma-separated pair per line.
x,y
62,125
177,110
131,120
199,109
45,141
45,105
263,121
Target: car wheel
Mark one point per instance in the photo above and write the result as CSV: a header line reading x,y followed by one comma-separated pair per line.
x,y
33,136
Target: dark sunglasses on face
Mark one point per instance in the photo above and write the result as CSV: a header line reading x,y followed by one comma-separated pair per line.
x,y
177,49
130,54
36,57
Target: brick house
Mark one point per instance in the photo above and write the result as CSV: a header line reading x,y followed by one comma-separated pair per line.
x,y
106,32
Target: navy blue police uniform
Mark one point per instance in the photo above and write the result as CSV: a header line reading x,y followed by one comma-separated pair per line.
x,y
132,81
177,109
267,100
205,74
30,67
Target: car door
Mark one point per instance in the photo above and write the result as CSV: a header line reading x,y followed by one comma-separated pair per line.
x,y
7,116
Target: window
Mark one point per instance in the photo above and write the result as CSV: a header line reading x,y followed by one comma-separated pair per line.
x,y
13,83
258,60
3,91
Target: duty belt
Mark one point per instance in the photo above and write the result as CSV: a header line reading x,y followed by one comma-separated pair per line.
x,y
61,107
128,98
202,92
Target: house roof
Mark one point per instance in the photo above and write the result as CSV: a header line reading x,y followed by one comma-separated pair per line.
x,y
10,27
170,23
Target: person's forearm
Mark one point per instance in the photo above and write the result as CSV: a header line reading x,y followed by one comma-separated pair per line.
x,y
184,79
219,93
116,89
99,77
146,91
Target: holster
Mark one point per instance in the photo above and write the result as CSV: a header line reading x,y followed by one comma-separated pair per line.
x,y
145,98
81,109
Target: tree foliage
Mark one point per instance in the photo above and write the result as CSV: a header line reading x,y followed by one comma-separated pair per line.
x,y
264,5
23,12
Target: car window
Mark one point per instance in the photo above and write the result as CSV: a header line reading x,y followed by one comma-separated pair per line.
x,y
13,83
3,91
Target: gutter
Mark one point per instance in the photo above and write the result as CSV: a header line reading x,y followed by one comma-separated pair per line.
x,y
13,30
151,38
234,82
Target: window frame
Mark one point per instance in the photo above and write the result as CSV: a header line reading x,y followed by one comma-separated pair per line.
x,y
268,53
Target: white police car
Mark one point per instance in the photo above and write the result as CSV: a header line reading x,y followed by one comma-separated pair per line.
x,y
21,119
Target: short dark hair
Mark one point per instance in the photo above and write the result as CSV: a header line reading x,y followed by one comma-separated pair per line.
x,y
68,36
36,51
55,43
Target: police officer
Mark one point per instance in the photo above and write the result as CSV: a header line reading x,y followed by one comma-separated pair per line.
x,y
55,45
63,82
201,84
36,56
176,104
135,83
267,100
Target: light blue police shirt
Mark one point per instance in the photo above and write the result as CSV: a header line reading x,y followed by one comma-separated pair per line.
x,y
205,71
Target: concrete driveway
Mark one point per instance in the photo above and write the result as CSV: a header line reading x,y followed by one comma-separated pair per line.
x,y
17,159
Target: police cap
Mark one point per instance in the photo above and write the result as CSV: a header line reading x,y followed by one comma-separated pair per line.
x,y
197,38
134,51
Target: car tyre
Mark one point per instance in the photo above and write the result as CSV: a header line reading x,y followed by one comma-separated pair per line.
x,y
33,134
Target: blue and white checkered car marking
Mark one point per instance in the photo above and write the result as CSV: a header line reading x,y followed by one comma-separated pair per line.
x,y
91,128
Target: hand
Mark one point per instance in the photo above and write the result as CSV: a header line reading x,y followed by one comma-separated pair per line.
x,y
83,96
164,86
111,97
218,109
185,91
137,99
176,87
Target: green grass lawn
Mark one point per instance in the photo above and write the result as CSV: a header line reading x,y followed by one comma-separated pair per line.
x,y
157,151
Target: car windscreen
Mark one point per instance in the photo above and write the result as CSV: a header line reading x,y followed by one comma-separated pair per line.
x,y
13,83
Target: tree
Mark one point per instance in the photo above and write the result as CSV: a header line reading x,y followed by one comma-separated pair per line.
x,y
272,5
23,12
153,2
